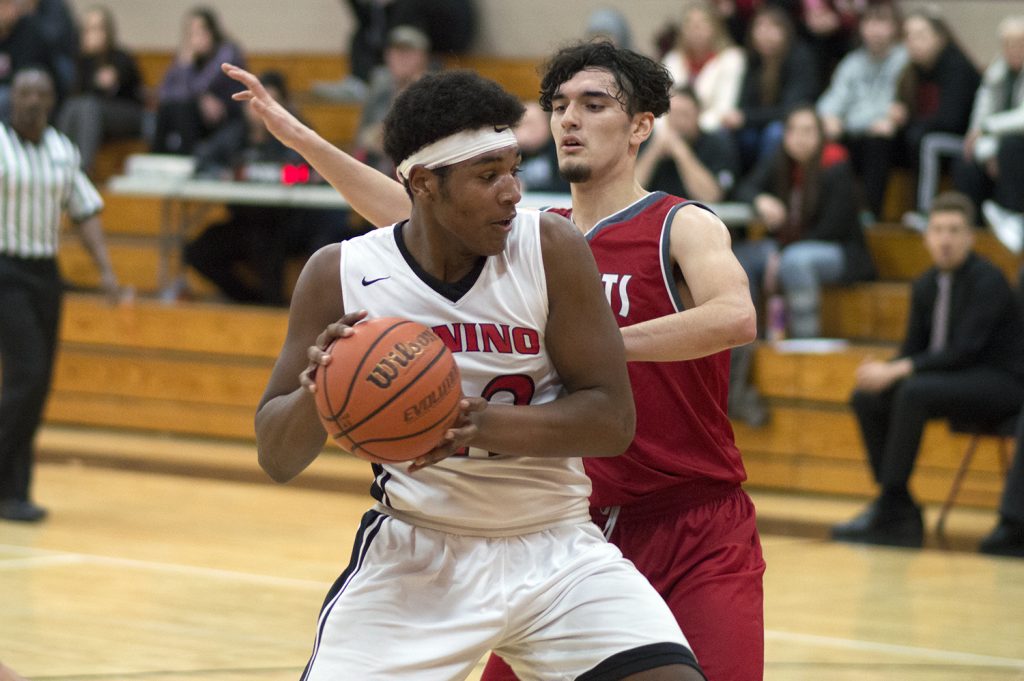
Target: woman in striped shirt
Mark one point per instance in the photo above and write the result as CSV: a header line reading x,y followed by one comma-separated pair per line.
x,y
40,179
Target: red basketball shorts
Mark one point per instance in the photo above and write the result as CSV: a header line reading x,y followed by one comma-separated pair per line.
x,y
706,563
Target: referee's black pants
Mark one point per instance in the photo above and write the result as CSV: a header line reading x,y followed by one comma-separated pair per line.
x,y
30,302
892,422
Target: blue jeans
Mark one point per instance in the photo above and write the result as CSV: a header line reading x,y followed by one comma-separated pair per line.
x,y
753,255
757,143
804,268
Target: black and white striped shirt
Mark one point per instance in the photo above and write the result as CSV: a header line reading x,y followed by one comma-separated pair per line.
x,y
38,182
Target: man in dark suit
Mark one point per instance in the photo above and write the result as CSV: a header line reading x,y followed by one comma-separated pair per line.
x,y
962,358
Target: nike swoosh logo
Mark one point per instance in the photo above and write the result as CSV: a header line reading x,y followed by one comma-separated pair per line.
x,y
367,282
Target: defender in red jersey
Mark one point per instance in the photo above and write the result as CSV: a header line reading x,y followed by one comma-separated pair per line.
x,y
673,503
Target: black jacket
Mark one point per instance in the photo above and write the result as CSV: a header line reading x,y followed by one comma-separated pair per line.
x,y
986,323
956,79
835,219
798,85
23,47
129,80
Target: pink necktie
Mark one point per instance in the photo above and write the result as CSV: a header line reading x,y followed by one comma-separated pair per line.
x,y
940,315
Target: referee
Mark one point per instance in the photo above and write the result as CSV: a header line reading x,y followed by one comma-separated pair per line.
x,y
40,179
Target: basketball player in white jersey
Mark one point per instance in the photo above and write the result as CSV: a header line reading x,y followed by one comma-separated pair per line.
x,y
484,543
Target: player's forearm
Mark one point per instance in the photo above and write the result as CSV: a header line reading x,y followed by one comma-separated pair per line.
x,y
704,330
375,196
585,423
288,435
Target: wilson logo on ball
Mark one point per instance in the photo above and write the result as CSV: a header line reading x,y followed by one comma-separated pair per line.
x,y
400,358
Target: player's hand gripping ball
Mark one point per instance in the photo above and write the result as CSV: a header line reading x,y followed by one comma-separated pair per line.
x,y
390,391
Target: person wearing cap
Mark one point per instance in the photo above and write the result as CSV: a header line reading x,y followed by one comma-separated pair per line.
x,y
406,60
450,26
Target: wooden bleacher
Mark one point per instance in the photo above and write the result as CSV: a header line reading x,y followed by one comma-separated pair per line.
x,y
812,443
337,122
189,369
198,369
518,75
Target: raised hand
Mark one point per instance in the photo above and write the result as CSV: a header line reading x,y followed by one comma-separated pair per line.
x,y
276,118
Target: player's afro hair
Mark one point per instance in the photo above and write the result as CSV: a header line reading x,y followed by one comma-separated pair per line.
x,y
442,104
644,84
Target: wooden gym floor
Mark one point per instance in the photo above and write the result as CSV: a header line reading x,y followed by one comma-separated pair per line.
x,y
149,576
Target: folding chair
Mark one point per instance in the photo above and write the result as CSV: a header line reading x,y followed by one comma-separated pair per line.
x,y
1002,430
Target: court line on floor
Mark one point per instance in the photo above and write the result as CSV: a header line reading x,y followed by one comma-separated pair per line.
x,y
169,674
268,580
47,556
876,647
39,561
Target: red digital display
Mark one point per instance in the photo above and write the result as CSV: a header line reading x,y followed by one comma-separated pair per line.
x,y
294,174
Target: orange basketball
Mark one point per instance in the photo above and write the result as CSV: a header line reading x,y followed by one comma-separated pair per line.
x,y
391,390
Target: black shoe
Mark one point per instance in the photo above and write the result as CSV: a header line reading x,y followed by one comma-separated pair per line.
x,y
21,511
885,525
1006,540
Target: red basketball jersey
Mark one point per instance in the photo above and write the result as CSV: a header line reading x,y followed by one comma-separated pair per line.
x,y
683,434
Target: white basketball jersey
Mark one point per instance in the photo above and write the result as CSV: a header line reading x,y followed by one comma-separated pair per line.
x,y
496,332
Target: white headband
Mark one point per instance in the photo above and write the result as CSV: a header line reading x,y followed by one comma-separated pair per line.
x,y
457,148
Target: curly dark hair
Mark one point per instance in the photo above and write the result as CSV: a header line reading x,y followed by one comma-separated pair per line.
x,y
442,104
644,84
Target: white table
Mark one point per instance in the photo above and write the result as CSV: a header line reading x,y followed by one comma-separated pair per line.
x,y
185,200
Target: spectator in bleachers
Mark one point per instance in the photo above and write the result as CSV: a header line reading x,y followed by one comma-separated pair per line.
x,y
538,171
962,358
194,98
450,26
1007,538
365,53
804,195
21,45
737,15
245,255
683,160
406,60
781,72
828,26
106,102
991,167
707,60
855,107
57,24
933,104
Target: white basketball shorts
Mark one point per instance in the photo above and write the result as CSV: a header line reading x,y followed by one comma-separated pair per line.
x,y
417,604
